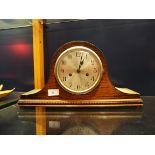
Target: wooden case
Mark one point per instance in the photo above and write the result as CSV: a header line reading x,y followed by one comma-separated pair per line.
x,y
104,95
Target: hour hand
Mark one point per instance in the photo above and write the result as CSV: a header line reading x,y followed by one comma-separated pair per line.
x,y
78,70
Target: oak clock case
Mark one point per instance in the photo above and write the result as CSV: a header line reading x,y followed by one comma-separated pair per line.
x,y
79,72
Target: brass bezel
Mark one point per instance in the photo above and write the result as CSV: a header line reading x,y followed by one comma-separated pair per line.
x,y
83,91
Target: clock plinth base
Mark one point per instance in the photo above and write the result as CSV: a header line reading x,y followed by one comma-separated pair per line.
x,y
108,102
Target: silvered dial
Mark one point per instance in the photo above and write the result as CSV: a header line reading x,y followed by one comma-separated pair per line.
x,y
78,70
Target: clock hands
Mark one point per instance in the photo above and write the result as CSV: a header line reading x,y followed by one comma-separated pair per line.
x,y
81,63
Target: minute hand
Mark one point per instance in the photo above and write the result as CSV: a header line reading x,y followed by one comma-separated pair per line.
x,y
81,63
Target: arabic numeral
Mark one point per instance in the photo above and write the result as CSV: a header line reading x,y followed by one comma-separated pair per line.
x,y
64,78
78,54
78,86
87,84
86,56
94,70
63,62
62,70
70,84
92,62
93,78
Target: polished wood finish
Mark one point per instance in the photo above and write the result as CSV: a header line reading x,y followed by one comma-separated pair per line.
x,y
105,90
38,56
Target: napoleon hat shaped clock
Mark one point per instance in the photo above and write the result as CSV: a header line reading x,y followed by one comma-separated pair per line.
x,y
79,78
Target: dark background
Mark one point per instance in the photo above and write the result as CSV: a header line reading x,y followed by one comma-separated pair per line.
x,y
128,45
16,59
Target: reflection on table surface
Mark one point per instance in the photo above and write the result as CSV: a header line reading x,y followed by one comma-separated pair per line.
x,y
88,122
15,120
82,121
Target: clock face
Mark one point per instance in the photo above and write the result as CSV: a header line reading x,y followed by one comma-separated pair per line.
x,y
78,70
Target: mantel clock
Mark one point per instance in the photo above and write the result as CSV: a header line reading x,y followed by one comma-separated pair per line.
x,y
78,70
79,78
